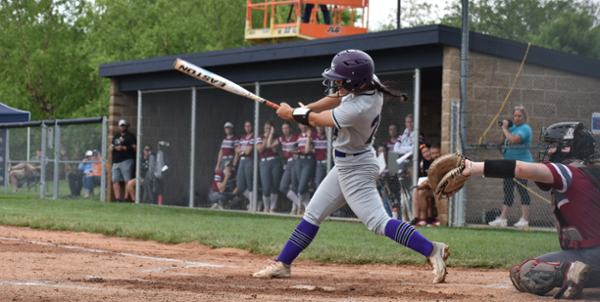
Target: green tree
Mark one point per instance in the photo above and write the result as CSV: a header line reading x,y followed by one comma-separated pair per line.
x,y
42,64
570,26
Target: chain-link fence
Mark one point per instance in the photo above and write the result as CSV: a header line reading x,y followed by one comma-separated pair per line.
x,y
56,159
531,97
197,144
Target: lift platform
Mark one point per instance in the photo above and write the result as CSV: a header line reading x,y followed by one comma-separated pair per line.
x,y
275,21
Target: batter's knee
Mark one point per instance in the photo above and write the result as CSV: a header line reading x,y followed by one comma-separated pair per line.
x,y
313,219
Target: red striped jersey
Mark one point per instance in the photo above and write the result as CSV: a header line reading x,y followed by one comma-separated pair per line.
x,y
219,177
246,141
320,147
289,146
228,145
268,151
303,138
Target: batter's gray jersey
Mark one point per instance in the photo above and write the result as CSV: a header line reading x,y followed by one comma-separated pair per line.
x,y
356,120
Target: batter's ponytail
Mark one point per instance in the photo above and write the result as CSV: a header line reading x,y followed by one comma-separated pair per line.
x,y
388,92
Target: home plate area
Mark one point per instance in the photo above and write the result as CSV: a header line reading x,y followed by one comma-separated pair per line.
x,y
43,265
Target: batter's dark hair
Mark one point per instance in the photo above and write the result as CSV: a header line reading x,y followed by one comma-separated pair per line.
x,y
388,92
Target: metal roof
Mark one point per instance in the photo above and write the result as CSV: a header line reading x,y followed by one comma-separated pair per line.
x,y
418,47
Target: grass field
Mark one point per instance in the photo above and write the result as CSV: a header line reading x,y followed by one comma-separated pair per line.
x,y
337,242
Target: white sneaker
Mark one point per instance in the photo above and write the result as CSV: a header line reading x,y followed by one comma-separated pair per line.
x,y
499,222
215,206
577,275
438,258
522,223
274,270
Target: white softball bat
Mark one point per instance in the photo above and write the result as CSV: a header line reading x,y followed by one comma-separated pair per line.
x,y
218,81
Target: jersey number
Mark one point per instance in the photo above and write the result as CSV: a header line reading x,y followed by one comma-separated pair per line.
x,y
374,125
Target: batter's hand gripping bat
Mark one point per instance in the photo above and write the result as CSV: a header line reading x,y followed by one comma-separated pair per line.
x,y
218,81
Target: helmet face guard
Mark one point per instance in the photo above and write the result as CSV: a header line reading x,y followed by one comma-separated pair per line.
x,y
354,68
565,139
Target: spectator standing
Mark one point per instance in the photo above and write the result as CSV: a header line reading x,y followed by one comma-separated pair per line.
x,y
270,167
244,151
518,134
75,178
289,182
123,155
145,161
320,142
305,168
227,151
393,132
223,192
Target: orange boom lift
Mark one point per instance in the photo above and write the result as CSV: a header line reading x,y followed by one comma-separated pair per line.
x,y
282,20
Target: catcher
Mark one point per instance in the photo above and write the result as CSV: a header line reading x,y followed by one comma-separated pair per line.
x,y
567,169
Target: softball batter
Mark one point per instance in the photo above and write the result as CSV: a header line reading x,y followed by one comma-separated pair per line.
x,y
353,179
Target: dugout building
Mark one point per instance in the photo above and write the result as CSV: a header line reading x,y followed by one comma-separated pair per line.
x,y
169,106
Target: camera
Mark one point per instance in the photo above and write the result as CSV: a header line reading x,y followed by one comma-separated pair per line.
x,y
510,123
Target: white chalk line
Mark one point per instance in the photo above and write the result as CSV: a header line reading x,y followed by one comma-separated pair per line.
x,y
191,263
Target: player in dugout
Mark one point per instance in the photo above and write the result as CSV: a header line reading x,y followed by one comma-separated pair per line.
x,y
355,112
568,169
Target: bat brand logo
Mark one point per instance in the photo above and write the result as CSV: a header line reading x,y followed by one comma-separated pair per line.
x,y
334,30
204,77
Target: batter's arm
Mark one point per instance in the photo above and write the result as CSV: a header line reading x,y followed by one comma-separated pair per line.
x,y
314,118
530,171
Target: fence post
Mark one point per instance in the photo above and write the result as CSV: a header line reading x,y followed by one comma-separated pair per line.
x,y
104,156
255,150
43,162
7,155
192,147
330,136
138,150
417,128
28,141
56,159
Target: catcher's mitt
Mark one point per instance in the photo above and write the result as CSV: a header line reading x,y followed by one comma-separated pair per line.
x,y
445,174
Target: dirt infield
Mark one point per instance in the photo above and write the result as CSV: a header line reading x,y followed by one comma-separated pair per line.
x,y
42,265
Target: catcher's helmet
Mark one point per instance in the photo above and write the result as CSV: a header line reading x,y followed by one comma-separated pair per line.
x,y
566,139
354,68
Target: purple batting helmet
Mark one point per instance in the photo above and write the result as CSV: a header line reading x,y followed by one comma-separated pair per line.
x,y
354,68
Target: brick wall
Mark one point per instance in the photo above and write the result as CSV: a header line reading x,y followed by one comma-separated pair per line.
x,y
122,106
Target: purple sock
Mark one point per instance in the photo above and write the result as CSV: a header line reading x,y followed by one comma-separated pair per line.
x,y
406,235
300,239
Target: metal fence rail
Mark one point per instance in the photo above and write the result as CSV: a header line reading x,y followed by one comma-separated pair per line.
x,y
45,156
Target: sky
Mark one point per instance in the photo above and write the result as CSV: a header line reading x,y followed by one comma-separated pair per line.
x,y
380,9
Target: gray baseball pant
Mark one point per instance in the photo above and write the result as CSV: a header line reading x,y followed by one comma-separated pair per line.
x,y
305,170
289,178
352,180
244,176
320,173
589,256
270,174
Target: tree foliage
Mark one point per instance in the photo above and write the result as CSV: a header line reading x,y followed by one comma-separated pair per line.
x,y
569,26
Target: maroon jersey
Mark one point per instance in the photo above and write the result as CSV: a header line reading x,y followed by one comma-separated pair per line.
x,y
246,141
289,146
390,144
303,138
219,177
268,151
228,145
576,197
320,147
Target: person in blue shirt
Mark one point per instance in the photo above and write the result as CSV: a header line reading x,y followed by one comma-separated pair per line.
x,y
518,134
86,167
